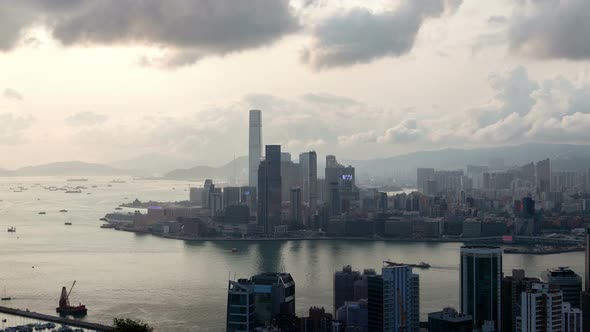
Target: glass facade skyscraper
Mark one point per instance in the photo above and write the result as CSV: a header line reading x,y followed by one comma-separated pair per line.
x,y
481,277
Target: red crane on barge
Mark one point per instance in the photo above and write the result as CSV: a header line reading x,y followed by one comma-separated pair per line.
x,y
64,304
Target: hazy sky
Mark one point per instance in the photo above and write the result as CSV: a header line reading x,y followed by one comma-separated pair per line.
x,y
105,80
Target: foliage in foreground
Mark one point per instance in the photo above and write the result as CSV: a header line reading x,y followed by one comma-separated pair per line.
x,y
129,325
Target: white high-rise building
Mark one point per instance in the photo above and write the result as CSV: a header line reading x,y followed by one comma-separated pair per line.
x,y
401,299
572,318
541,309
254,147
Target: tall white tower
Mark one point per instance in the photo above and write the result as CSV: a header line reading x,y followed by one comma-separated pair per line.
x,y
255,147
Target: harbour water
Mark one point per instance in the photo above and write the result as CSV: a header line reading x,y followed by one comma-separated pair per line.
x,y
177,285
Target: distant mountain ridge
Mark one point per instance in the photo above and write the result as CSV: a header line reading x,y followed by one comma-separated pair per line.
x,y
67,168
563,156
238,167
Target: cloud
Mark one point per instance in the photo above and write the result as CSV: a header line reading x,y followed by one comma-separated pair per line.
x,y
357,138
405,132
361,36
85,119
12,94
324,98
512,95
551,29
13,128
189,29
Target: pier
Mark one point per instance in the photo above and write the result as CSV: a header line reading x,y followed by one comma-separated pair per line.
x,y
58,320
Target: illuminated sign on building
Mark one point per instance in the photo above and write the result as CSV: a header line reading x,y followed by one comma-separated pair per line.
x,y
347,177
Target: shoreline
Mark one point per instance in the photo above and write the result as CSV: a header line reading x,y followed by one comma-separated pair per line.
x,y
522,250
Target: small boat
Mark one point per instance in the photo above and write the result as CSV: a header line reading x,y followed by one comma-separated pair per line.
x,y
12,230
118,208
234,250
63,210
77,191
42,212
68,223
103,219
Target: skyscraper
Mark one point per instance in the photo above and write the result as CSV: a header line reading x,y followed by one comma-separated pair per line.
x,y
296,206
481,273
274,295
512,288
269,189
585,298
422,177
340,186
254,147
344,286
240,306
569,282
394,300
543,173
541,309
308,161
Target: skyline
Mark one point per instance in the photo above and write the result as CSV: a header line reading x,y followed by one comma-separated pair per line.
x,y
457,74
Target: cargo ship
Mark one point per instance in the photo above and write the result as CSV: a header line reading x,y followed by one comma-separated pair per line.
x,y
65,308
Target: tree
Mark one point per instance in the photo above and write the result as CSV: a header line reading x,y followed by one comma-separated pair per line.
x,y
129,325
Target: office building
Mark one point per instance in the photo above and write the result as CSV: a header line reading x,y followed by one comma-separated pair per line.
x,y
269,190
543,174
254,147
512,288
296,206
541,309
308,161
481,277
572,318
423,176
231,196
569,282
290,177
274,295
585,296
354,315
393,300
196,196
449,320
340,186
240,306
248,197
318,321
343,289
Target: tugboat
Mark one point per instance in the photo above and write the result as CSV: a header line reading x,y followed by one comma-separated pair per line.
x,y
12,230
65,308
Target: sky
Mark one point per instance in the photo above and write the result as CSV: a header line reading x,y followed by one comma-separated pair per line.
x,y
108,80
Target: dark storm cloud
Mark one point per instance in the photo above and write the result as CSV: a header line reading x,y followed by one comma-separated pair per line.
x,y
360,36
197,27
551,29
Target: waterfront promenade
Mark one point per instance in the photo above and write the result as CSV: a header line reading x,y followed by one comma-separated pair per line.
x,y
58,320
